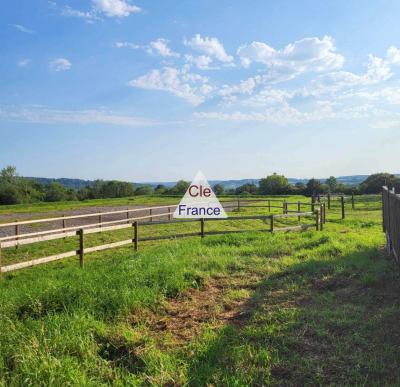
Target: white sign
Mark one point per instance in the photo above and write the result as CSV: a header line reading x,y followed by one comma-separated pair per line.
x,y
199,201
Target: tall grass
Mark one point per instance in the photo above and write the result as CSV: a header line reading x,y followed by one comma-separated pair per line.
x,y
309,312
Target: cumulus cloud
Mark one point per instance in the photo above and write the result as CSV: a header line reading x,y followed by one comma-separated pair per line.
x,y
270,96
59,64
305,55
393,55
158,47
179,82
89,16
115,8
244,87
108,8
378,70
210,46
202,62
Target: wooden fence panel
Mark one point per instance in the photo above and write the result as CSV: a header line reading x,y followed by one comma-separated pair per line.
x,y
391,221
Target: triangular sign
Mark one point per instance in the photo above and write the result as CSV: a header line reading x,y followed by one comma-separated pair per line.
x,y
199,201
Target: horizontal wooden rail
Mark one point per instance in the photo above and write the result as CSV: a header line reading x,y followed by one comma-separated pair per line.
x,y
90,215
133,222
34,262
63,231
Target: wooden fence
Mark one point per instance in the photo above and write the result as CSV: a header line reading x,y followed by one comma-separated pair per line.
x,y
330,198
126,216
318,214
391,221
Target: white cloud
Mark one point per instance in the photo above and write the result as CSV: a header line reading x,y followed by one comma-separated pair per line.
x,y
269,97
305,55
378,70
21,28
115,8
244,87
109,8
23,62
181,83
388,94
210,46
89,16
59,64
160,47
202,62
127,44
393,55
157,47
44,115
281,115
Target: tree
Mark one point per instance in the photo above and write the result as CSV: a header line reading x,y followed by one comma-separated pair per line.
x,y
248,188
331,183
313,187
374,183
55,192
218,189
144,190
9,174
160,189
274,185
9,194
110,189
180,188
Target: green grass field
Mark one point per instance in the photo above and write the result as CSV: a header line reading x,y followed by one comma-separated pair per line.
x,y
298,308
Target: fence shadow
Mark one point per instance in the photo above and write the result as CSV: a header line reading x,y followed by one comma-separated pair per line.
x,y
312,324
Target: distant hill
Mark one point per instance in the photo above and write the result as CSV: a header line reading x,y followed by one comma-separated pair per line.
x,y
69,183
228,184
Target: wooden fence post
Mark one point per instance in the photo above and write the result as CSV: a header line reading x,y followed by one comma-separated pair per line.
x,y
202,227
329,200
238,205
16,232
342,205
269,205
81,246
169,213
271,223
100,221
127,215
298,210
352,201
316,212
151,213
321,217
136,235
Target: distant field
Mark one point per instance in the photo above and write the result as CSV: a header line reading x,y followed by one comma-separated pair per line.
x,y
73,205
134,200
309,308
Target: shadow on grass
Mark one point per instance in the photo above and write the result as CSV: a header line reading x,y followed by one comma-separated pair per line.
x,y
329,321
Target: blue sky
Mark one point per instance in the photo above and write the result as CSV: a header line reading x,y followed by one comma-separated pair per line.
x,y
157,90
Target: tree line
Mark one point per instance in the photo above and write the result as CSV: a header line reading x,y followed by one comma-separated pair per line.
x,y
15,189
